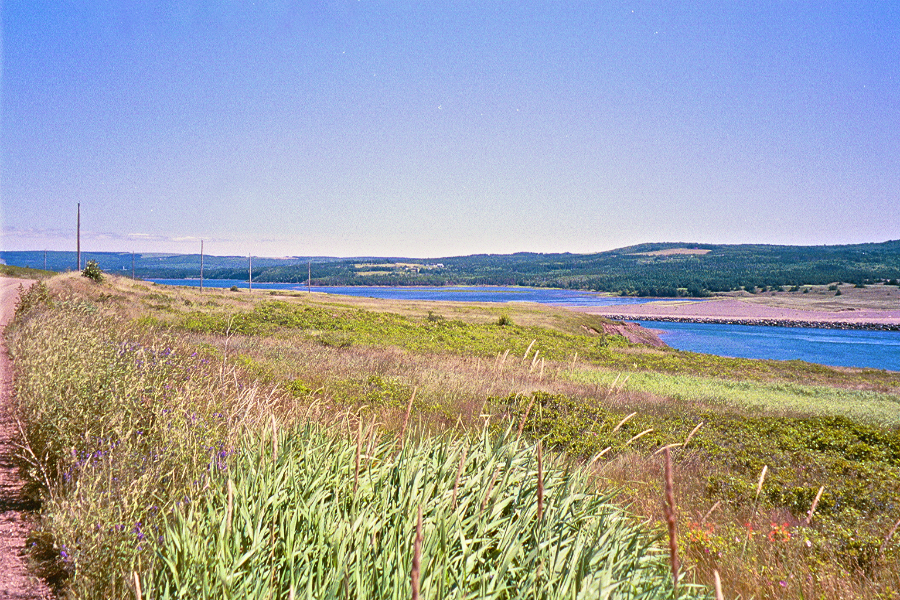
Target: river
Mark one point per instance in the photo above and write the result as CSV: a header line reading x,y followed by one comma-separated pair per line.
x,y
834,347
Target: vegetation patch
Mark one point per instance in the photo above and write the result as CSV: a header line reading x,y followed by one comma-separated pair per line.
x,y
143,416
308,513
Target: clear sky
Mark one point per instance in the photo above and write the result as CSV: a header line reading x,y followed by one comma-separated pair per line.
x,y
400,128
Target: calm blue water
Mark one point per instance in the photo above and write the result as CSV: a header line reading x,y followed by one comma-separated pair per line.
x,y
835,347
554,297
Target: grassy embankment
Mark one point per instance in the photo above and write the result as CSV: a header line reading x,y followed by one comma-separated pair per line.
x,y
149,413
24,272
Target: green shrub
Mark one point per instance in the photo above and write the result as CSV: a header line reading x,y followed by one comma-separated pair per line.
x,y
92,271
35,296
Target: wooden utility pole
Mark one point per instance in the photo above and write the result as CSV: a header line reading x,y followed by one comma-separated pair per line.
x,y
250,280
201,266
78,242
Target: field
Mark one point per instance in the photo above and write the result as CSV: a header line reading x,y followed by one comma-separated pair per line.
x,y
168,434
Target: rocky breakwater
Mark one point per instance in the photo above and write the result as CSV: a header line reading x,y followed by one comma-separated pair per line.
x,y
771,322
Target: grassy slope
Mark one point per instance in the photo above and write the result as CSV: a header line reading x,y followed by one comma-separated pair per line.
x,y
344,354
24,272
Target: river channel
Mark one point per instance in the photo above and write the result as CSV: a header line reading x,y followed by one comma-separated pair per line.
x,y
834,347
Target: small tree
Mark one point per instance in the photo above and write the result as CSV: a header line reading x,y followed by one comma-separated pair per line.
x,y
92,271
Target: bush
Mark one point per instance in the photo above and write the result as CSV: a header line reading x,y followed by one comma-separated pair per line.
x,y
504,320
92,271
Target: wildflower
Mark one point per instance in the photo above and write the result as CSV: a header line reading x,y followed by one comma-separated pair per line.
x,y
779,533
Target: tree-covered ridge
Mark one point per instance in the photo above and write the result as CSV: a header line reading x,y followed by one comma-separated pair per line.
x,y
644,269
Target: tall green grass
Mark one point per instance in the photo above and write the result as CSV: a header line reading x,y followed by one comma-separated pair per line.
x,y
294,525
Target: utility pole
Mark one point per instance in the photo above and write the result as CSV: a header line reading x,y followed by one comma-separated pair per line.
x,y
78,235
250,280
201,266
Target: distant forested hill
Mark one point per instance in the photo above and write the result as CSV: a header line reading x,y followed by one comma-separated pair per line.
x,y
661,269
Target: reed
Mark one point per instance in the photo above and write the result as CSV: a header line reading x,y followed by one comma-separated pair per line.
x,y
622,422
759,487
527,350
459,472
329,548
524,418
415,573
402,435
540,482
812,509
669,509
359,435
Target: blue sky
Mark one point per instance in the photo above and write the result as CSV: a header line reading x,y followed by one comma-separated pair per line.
x,y
427,129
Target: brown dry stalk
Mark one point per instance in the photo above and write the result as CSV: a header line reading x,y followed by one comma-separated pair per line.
x,y
887,538
359,435
669,508
717,583
622,422
490,488
406,417
462,462
417,557
525,418
541,376
574,359
540,486
137,585
812,508
534,361
274,439
710,511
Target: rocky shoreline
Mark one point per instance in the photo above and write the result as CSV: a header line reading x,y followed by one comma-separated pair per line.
x,y
760,321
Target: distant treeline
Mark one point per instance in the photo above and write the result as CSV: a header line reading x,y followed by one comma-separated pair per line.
x,y
662,269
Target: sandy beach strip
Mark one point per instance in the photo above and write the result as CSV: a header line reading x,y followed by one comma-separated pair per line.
x,y
735,311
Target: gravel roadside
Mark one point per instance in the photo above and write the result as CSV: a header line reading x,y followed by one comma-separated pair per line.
x,y
15,580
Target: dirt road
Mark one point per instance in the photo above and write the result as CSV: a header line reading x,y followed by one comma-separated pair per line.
x,y
15,582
